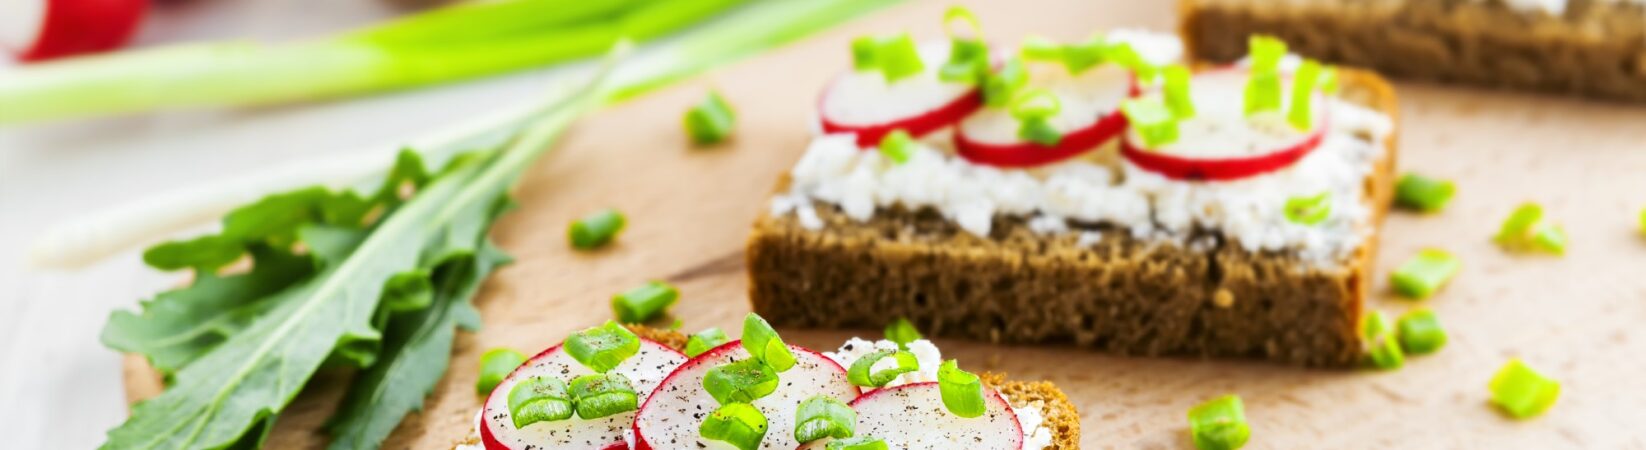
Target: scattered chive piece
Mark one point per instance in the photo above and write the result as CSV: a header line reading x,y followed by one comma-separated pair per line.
x,y
1177,91
1122,53
897,146
1643,221
1550,238
1309,210
962,391
604,347
1079,57
1425,273
710,121
539,399
1035,109
862,372
1263,89
603,395
495,365
1152,120
857,443
902,332
1382,346
740,381
896,57
968,55
1526,229
1040,48
738,424
763,342
863,50
1301,113
1420,332
1522,392
1219,424
644,303
596,229
1001,86
1423,193
704,341
823,416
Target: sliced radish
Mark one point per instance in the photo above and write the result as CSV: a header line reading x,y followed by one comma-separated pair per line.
x,y
1090,116
912,417
38,30
1220,142
645,369
865,104
671,417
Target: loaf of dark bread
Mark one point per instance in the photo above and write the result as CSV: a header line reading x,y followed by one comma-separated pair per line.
x,y
1594,48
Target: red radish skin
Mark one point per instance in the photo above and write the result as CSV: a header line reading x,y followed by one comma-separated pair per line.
x,y
896,423
1030,154
653,356
75,27
1220,169
653,413
869,135
952,103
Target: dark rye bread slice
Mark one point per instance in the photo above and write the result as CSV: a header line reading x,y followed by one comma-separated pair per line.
x,y
1061,416
1123,295
1595,48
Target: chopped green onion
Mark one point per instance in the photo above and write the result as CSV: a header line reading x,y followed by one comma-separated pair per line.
x,y
1263,89
596,229
1550,238
862,372
1152,120
1425,273
604,347
1521,391
1517,229
895,57
1423,193
902,332
710,121
1000,87
1041,48
1035,109
1219,424
603,395
539,399
1266,52
1309,210
740,381
1643,221
823,416
495,365
968,55
1420,332
763,342
1085,55
738,424
1301,114
856,443
1328,81
645,302
962,391
704,341
863,52
897,146
959,13
1382,346
1177,91
1122,53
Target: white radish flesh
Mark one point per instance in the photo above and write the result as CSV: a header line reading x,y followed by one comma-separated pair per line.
x,y
912,417
645,370
1085,98
866,104
671,417
1221,128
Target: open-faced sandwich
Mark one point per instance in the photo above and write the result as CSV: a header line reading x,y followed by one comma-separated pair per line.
x,y
1097,192
613,388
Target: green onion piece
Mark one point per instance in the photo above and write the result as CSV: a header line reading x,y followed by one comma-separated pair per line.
x,y
604,347
1000,87
863,53
959,13
539,399
1328,80
1035,109
1420,332
738,424
1152,120
1382,346
1309,210
1219,424
862,372
604,395
704,341
763,342
1301,114
645,302
596,229
823,416
897,146
1266,53
1085,55
1521,391
1425,273
1517,229
1643,221
1040,48
968,55
1123,54
1177,91
1550,238
962,391
1263,89
495,365
899,58
1423,193
857,443
902,332
740,381
710,121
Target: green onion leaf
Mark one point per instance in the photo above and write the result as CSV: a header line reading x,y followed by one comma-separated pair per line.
x,y
539,399
644,303
968,55
964,15
1263,89
1034,109
1301,114
1152,120
895,57
710,121
704,341
1309,210
1122,53
1085,55
857,443
962,391
738,424
1425,273
1526,229
1422,193
897,146
495,365
902,332
1382,346
1420,332
823,416
603,395
763,342
1040,48
1219,424
862,372
1521,391
1177,91
604,347
596,229
740,381
1000,87
863,53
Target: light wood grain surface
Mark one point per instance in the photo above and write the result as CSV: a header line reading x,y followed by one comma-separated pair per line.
x,y
1574,317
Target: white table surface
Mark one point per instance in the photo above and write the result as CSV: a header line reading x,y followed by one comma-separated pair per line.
x,y
61,388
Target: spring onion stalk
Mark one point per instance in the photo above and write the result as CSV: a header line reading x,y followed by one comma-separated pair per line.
x,y
539,399
1309,209
762,341
604,347
1421,193
710,121
1034,110
1522,392
1420,332
823,416
596,229
863,373
857,443
1152,120
962,391
740,382
603,395
1382,345
902,332
644,303
490,20
704,341
494,366
1219,424
897,146
738,424
1425,273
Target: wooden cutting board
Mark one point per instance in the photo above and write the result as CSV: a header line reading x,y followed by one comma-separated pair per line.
x,y
1577,317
